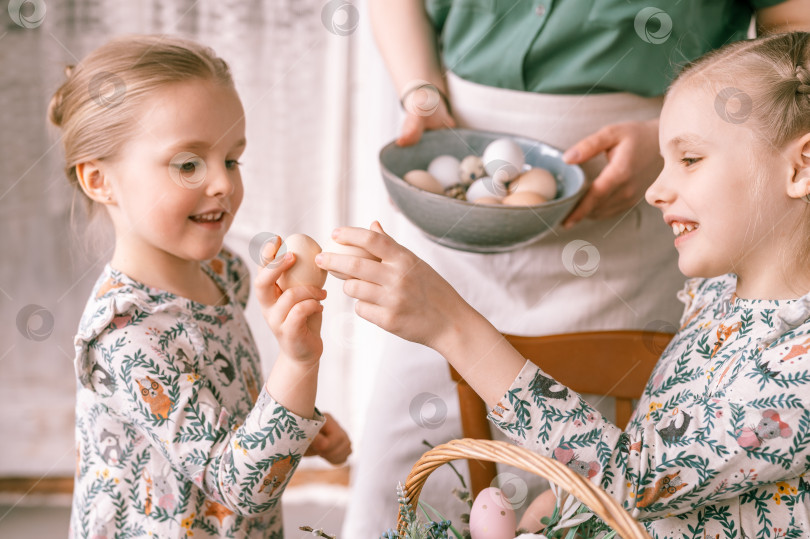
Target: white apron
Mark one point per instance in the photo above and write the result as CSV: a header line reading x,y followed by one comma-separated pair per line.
x,y
530,291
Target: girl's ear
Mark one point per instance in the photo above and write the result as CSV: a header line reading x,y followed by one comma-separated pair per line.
x,y
93,182
799,154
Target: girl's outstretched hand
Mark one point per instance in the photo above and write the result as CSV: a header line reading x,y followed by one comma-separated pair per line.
x,y
331,443
294,315
401,293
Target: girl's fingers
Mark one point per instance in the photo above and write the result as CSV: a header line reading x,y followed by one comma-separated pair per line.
x,y
379,316
295,295
265,282
353,266
301,311
377,243
364,291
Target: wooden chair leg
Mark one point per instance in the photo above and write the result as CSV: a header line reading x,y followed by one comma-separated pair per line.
x,y
481,472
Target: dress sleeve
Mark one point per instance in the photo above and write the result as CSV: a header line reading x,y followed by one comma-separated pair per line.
x,y
156,387
710,450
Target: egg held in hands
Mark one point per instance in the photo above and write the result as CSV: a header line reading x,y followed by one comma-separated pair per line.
x,y
351,250
304,271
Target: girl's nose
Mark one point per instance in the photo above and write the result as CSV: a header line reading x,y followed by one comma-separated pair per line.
x,y
219,182
658,194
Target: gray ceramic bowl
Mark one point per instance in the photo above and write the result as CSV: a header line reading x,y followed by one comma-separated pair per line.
x,y
480,228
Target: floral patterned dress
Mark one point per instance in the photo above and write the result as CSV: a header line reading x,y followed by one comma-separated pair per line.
x,y
175,435
720,442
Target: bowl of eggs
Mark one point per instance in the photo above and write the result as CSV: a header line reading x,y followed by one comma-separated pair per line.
x,y
481,191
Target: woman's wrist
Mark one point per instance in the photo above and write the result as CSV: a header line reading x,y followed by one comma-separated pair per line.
x,y
429,95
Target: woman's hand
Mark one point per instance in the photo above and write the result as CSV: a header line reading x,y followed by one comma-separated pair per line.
x,y
401,294
425,109
634,161
332,443
294,316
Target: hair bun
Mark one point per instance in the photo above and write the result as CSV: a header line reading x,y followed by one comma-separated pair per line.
x,y
803,76
55,108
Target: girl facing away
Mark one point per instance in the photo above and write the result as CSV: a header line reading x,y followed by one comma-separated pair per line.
x,y
720,442
177,432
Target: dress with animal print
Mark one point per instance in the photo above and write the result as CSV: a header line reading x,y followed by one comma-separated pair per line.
x,y
175,434
720,442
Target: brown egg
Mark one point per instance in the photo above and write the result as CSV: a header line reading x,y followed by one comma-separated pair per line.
x,y
523,198
304,271
488,200
341,249
539,180
424,180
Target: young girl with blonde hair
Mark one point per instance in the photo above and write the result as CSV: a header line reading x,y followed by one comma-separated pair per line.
x,y
720,442
176,433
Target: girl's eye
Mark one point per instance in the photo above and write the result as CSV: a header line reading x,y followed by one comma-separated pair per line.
x,y
232,163
188,167
689,161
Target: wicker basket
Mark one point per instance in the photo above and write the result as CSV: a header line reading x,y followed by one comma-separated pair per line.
x,y
596,499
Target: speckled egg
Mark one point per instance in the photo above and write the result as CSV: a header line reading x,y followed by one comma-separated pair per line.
x,y
445,169
492,516
470,169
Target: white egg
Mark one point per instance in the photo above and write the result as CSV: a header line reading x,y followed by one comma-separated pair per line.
x,y
538,180
423,180
492,516
485,187
304,271
445,169
503,160
351,250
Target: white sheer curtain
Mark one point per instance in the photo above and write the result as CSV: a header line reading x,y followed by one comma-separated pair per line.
x,y
318,107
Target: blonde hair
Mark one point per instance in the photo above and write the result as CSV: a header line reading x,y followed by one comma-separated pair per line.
x,y
770,78
97,106
772,75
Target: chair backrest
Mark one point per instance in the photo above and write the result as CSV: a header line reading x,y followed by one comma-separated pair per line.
x,y
614,363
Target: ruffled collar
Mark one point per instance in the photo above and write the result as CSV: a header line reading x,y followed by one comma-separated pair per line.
x,y
787,315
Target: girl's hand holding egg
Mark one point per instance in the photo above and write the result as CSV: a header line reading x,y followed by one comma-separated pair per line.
x,y
304,271
288,289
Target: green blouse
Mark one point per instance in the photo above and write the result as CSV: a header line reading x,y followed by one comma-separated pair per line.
x,y
583,46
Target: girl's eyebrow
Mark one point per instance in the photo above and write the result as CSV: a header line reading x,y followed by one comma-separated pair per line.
x,y
688,139
203,145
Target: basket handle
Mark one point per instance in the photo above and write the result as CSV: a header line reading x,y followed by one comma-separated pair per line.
x,y
595,498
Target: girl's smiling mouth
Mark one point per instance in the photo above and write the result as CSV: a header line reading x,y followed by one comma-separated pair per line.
x,y
681,227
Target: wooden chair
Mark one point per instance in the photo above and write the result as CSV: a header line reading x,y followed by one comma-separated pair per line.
x,y
612,363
